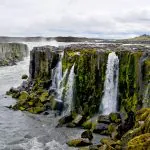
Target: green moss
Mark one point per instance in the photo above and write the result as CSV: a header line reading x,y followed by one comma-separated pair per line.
x,y
142,126
87,124
89,79
78,142
141,142
36,110
44,96
30,103
23,96
129,80
108,141
21,108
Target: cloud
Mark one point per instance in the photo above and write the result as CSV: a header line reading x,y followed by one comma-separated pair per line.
x,y
92,18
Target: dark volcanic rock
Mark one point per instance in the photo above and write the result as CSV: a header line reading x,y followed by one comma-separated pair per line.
x,y
100,128
103,119
64,120
87,134
42,60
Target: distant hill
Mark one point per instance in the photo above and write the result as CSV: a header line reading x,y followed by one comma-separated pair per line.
x,y
143,37
38,39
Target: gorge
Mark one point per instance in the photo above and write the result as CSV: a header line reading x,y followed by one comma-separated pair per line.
x,y
83,80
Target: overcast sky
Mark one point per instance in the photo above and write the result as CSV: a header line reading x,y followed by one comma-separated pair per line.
x,y
91,18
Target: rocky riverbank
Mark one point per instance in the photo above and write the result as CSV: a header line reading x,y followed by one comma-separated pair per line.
x,y
71,81
10,53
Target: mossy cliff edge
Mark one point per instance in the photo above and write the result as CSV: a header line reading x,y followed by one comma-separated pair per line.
x,y
10,53
90,67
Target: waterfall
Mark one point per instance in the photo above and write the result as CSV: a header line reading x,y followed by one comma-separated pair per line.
x,y
61,85
57,77
69,92
109,99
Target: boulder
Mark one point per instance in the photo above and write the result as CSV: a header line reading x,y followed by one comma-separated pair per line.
x,y
113,130
36,110
87,134
103,119
108,142
70,125
44,96
101,128
12,91
23,96
78,120
24,76
87,124
78,143
115,117
64,120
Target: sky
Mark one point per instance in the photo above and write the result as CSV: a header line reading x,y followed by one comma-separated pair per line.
x,y
85,18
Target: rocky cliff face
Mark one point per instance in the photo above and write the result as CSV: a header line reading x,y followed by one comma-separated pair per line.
x,y
42,61
10,53
86,65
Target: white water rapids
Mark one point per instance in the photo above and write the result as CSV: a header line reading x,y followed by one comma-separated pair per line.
x,y
22,130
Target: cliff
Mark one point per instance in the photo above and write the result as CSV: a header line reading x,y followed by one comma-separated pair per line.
x,y
10,53
76,76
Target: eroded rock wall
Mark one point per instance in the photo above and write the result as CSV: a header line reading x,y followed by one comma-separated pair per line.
x,y
89,69
10,53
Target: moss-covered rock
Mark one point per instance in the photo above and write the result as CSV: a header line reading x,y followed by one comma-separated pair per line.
x,y
23,96
141,142
87,134
139,128
103,119
78,143
101,128
108,141
44,96
64,120
115,117
87,124
36,110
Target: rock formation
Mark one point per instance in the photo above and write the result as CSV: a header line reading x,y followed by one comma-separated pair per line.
x,y
84,67
10,53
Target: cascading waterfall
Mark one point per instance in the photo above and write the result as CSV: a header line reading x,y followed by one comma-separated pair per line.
x,y
61,86
69,92
109,100
57,77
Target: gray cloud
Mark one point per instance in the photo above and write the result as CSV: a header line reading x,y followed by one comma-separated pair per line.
x,y
93,18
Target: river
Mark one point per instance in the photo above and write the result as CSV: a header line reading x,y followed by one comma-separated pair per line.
x,y
25,131
22,130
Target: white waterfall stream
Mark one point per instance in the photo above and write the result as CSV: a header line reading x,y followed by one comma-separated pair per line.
x,y
57,77
69,92
109,100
